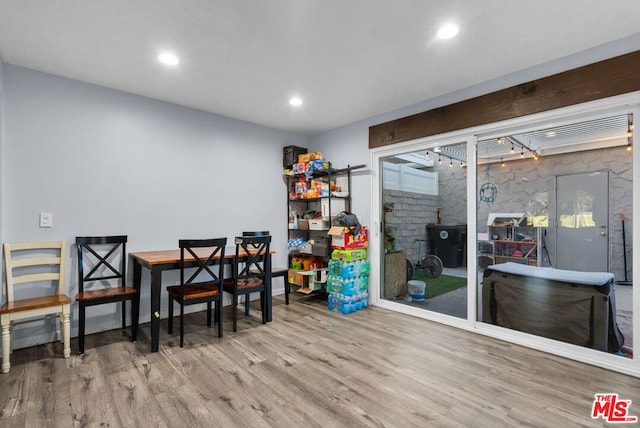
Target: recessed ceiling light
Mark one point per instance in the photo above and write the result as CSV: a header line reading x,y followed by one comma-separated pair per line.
x,y
295,101
447,31
168,58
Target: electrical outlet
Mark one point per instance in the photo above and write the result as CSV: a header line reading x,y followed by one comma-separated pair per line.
x,y
46,220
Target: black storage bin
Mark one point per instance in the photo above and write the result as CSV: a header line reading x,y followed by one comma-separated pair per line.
x,y
290,155
448,242
321,247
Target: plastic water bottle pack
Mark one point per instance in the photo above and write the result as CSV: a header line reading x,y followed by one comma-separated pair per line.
x,y
347,304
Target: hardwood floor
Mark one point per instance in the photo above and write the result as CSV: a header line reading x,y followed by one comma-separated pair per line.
x,y
309,367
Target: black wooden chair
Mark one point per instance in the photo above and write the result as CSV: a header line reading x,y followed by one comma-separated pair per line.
x,y
101,279
203,285
257,233
276,272
251,272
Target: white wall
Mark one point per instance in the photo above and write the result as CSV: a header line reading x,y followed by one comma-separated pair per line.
x,y
108,162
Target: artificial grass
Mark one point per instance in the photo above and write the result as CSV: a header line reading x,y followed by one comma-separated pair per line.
x,y
440,285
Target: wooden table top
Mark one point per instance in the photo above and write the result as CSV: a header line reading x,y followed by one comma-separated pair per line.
x,y
173,256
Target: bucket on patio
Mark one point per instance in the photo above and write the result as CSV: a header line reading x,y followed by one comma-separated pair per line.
x,y
416,289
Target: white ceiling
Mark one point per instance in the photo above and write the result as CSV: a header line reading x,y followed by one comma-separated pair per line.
x,y
348,59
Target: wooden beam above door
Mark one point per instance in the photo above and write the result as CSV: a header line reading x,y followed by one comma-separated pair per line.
x,y
611,77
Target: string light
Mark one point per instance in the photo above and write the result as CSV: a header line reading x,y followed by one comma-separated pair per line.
x,y
502,162
451,159
522,154
500,140
512,149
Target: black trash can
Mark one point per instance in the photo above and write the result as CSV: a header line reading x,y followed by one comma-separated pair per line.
x,y
448,242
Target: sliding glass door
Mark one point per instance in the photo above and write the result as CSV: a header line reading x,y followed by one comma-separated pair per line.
x,y
550,217
531,241
424,206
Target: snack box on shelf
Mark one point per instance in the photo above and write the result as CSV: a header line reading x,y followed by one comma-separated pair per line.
x,y
310,156
343,238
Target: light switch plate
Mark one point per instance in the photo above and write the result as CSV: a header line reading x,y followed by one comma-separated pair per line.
x,y
46,220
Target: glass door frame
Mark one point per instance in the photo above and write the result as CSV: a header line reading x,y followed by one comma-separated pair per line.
x,y
423,145
628,103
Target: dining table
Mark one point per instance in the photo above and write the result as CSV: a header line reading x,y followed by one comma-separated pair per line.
x,y
158,261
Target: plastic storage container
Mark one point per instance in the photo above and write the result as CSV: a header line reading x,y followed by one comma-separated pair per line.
x,y
416,289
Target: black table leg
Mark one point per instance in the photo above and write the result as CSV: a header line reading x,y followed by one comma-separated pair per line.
x,y
137,276
268,298
156,282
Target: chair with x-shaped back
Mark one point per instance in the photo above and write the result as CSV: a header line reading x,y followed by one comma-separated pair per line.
x,y
276,272
251,272
102,279
203,285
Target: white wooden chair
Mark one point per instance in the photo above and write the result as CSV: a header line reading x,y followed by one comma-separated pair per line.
x,y
32,264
